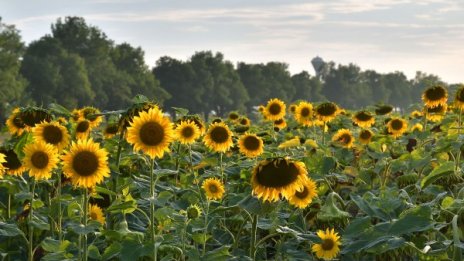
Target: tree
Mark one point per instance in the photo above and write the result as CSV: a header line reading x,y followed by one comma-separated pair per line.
x,y
307,87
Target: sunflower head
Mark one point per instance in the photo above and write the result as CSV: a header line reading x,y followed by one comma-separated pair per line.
x,y
292,108
274,110
193,211
233,116
417,127
434,96
151,132
251,145
40,158
363,119
397,126
12,162
302,198
304,113
327,111
330,245
343,138
14,123
92,115
197,120
110,130
134,111
383,109
365,136
187,132
52,133
96,213
76,115
261,108
86,164
280,124
436,113
416,114
83,128
214,189
459,97
218,137
34,115
244,121
279,176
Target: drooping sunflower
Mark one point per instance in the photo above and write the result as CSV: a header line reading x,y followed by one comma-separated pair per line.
x,y
251,145
187,132
330,245
304,113
110,130
40,159
302,198
383,109
417,127
280,123
214,189
365,136
343,138
14,123
436,113
274,110
86,164
2,161
92,115
96,213
434,96
12,163
52,133
397,126
133,111
279,176
233,116
32,116
151,132
83,129
327,111
363,119
459,98
218,137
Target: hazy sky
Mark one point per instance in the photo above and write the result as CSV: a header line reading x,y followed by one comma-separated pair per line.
x,y
385,35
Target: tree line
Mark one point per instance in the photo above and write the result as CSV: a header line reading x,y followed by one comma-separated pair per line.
x,y
78,65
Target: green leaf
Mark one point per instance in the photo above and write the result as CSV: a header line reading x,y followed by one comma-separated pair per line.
x,y
94,253
328,164
58,109
441,171
457,252
130,250
200,238
415,220
330,210
9,230
255,206
218,254
112,251
52,245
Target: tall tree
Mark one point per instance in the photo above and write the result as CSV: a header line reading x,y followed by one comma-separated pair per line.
x,y
307,87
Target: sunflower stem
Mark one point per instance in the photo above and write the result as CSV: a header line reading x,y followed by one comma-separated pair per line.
x,y
31,228
323,134
58,195
152,207
254,228
118,162
206,226
85,207
221,168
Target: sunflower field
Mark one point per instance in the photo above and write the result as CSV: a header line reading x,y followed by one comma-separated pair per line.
x,y
300,181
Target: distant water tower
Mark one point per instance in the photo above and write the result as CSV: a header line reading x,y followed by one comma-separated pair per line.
x,y
318,65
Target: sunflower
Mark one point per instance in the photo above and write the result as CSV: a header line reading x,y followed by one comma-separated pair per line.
x,y
416,114
34,115
364,119
434,96
2,161
302,198
12,163
344,138
244,121
96,213
187,132
329,247
365,136
327,111
218,137
86,164
76,115
274,110
417,127
40,158
294,142
83,129
459,98
397,126
14,123
110,130
214,189
292,108
312,143
435,114
196,120
280,123
233,116
304,113
193,211
151,132
278,176
92,115
261,108
52,133
383,109
251,145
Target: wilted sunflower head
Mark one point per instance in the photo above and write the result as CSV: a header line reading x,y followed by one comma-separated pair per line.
x,y
302,198
14,123
363,119
151,132
279,176
434,96
31,116
274,110
436,113
12,162
397,126
383,109
40,158
251,145
52,133
218,137
459,98
233,115
133,111
327,111
365,136
187,132
343,138
214,189
110,130
329,247
304,113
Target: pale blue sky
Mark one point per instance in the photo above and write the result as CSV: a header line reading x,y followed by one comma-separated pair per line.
x,y
385,35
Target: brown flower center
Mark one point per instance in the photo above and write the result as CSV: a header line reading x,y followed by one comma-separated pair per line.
x,y
326,109
12,160
213,188
39,159
363,116
365,135
302,194
435,93
82,126
251,143
396,124
327,244
93,215
151,133
187,132
52,134
85,163
305,112
275,109
345,138
219,134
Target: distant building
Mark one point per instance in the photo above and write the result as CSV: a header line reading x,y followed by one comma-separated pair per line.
x,y
318,65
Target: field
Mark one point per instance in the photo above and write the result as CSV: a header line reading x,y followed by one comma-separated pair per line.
x,y
299,181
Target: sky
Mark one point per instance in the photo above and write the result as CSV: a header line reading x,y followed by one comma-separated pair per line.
x,y
383,35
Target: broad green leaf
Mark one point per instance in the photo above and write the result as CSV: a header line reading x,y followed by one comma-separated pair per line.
x,y
441,171
9,230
